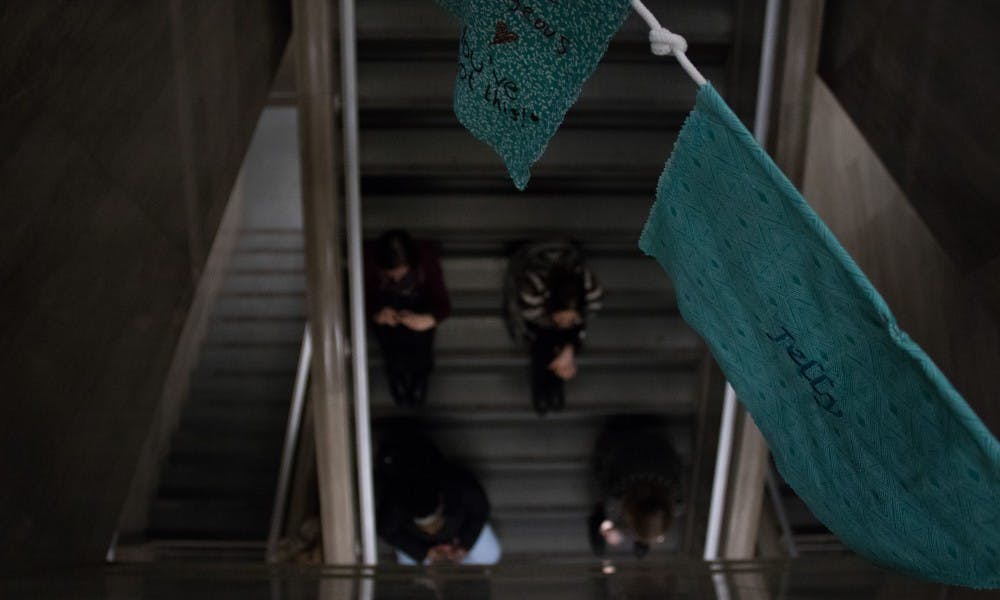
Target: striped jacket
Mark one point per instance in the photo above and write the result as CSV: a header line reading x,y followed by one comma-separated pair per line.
x,y
528,287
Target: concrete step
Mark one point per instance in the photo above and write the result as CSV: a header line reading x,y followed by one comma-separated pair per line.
x,y
241,387
489,228
216,459
231,441
231,518
290,305
517,358
624,87
556,529
263,263
510,437
196,486
604,333
510,215
255,459
587,154
255,331
254,418
538,489
264,283
408,21
191,479
249,358
615,303
593,391
270,239
196,551
620,275
258,418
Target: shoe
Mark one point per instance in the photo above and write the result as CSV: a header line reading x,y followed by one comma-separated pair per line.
x,y
559,398
418,389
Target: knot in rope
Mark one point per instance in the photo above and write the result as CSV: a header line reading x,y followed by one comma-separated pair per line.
x,y
664,42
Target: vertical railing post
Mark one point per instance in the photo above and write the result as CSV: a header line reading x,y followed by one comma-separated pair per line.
x,y
750,472
352,190
314,35
291,442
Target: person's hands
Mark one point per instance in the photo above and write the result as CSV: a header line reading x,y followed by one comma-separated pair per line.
x,y
564,364
446,553
416,321
565,319
611,534
439,553
387,316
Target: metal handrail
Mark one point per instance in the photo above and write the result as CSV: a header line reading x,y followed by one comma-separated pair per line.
x,y
719,483
787,535
291,441
359,339
765,84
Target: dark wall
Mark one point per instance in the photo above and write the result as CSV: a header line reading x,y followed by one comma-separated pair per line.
x,y
922,81
123,125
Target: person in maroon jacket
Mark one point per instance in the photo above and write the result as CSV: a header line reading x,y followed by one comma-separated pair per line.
x,y
406,300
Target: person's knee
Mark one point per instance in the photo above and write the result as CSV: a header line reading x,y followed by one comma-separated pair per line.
x,y
486,550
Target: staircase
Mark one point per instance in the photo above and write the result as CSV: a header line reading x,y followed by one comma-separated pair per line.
x,y
422,171
217,485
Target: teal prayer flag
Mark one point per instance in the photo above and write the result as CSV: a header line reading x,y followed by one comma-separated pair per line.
x,y
521,66
861,423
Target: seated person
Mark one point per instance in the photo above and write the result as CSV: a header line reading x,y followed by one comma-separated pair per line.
x,y
429,510
406,299
638,484
549,294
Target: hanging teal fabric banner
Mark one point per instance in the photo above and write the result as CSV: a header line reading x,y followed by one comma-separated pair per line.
x,y
862,424
521,65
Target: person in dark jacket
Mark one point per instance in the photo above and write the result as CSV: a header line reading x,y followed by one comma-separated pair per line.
x,y
430,510
406,299
638,483
549,296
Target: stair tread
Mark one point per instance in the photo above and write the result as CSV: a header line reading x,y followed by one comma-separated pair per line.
x,y
621,87
406,20
475,413
514,356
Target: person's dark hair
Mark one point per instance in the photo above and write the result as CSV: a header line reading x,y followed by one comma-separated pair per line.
x,y
566,290
421,498
395,248
418,488
646,507
409,467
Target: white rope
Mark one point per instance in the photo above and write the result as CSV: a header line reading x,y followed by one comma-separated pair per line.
x,y
663,42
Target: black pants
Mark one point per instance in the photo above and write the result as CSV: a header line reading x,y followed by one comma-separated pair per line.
x,y
409,359
548,391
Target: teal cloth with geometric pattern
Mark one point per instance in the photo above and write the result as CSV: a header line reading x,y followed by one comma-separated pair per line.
x,y
861,423
521,66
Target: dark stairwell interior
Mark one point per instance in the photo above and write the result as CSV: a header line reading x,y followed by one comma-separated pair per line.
x,y
119,195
